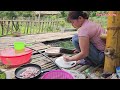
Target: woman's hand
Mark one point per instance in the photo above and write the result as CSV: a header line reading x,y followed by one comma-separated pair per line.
x,y
103,36
67,58
75,51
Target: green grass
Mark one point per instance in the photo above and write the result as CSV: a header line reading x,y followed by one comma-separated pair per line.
x,y
66,45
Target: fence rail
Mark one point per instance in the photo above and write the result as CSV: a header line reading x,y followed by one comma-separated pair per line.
x,y
8,27
36,26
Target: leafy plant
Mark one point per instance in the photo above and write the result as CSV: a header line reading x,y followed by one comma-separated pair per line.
x,y
62,23
67,45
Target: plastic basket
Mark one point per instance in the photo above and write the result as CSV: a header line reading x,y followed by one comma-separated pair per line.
x,y
57,74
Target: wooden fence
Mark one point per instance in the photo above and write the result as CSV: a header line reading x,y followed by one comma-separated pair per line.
x,y
36,26
8,27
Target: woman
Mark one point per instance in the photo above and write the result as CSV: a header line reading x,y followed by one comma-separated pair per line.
x,y
87,41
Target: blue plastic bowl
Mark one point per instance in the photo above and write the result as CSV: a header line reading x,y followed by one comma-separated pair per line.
x,y
118,71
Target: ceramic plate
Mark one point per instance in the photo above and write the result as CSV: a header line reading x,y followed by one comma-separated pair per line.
x,y
62,63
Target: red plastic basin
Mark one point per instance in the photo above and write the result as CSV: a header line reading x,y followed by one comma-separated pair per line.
x,y
9,57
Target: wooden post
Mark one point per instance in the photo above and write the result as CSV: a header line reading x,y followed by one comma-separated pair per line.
x,y
39,16
39,22
2,25
112,52
8,28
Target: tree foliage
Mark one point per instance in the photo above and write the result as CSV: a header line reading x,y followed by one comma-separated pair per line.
x,y
15,14
63,14
94,13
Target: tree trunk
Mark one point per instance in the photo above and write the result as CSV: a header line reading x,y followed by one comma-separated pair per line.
x,y
112,52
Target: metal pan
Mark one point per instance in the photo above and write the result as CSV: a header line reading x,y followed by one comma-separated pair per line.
x,y
23,68
66,51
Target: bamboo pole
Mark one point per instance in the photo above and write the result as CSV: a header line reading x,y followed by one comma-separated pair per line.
x,y
8,28
39,22
2,25
112,52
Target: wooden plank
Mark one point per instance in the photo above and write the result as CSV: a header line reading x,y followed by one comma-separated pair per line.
x,y
34,60
83,68
88,69
76,67
38,46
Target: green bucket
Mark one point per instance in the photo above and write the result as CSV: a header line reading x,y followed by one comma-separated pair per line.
x,y
20,45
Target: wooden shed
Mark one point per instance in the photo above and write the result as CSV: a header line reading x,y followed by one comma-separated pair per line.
x,y
42,13
47,12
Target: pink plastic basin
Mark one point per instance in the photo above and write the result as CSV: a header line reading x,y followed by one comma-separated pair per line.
x,y
9,57
57,74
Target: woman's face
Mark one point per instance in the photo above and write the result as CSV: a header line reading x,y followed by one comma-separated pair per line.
x,y
77,23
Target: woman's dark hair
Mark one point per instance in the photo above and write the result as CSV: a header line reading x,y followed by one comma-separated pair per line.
x,y
76,14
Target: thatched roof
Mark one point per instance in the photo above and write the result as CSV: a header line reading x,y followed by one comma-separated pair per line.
x,y
47,12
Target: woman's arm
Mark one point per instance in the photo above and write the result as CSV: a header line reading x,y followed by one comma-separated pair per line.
x,y
84,46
